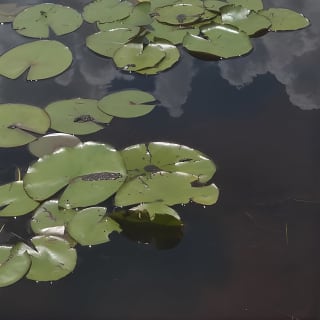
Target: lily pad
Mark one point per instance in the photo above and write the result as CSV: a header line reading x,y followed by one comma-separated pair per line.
x,y
161,3
43,58
36,21
108,42
52,142
106,11
127,104
285,19
214,5
8,11
53,260
77,116
255,5
14,201
91,226
14,264
92,172
142,159
20,124
167,188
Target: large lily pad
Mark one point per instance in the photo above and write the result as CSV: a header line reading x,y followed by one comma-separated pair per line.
x,y
142,159
20,124
53,258
77,116
127,104
36,21
8,11
161,3
14,201
285,19
92,172
14,264
43,58
255,5
167,188
91,226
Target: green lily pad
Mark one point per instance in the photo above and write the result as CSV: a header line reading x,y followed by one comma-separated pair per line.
x,y
161,3
108,42
53,260
223,41
127,104
91,226
20,124
255,5
8,11
36,21
179,14
106,10
52,142
167,188
43,58
92,172
142,159
50,219
285,19
134,56
214,5
172,56
14,264
14,201
77,116
244,19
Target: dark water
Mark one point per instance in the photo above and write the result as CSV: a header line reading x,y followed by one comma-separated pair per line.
x,y
254,255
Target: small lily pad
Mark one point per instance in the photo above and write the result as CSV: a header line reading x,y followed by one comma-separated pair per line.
x,y
77,116
8,11
14,264
127,104
255,5
43,58
91,226
285,19
52,142
214,5
53,260
14,201
20,124
92,172
36,21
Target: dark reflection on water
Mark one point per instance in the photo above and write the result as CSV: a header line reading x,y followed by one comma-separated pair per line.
x,y
254,255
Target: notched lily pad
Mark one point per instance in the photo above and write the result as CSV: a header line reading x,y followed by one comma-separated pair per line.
x,y
43,58
36,21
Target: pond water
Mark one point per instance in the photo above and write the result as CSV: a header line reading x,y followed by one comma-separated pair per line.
x,y
253,255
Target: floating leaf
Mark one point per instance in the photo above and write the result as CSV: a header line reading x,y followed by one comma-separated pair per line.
x,y
77,116
134,56
167,188
144,159
43,58
14,201
91,226
20,124
214,5
127,104
52,142
14,264
285,19
91,171
52,260
161,3
255,5
108,42
8,11
36,21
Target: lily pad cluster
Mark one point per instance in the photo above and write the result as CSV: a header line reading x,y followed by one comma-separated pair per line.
x,y
21,124
65,193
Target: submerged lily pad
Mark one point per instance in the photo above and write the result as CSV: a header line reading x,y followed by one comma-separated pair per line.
x,y
77,116
91,226
151,157
92,172
36,21
8,11
127,104
20,124
14,201
43,58
52,142
52,260
167,188
285,19
14,264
